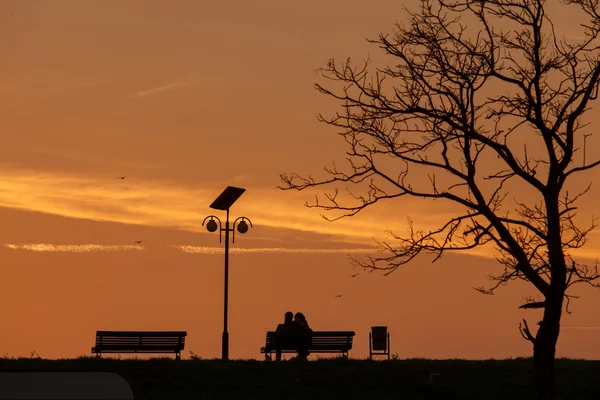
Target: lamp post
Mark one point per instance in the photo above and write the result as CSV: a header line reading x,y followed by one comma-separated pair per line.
x,y
224,202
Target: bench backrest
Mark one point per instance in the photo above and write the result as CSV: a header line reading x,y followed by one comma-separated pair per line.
x,y
319,339
140,338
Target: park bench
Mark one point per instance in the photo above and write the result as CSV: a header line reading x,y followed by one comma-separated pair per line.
x,y
140,342
321,342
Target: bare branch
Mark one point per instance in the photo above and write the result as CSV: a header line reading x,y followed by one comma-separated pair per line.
x,y
525,332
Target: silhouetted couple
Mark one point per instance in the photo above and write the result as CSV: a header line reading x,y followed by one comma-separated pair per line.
x,y
296,324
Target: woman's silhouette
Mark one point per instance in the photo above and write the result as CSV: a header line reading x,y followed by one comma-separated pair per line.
x,y
304,342
300,319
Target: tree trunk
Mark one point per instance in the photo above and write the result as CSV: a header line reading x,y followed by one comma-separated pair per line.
x,y
543,369
544,348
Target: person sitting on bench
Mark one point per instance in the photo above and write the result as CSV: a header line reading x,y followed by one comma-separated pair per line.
x,y
288,324
291,326
305,341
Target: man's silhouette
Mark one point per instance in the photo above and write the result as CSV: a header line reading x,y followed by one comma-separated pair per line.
x,y
288,324
288,327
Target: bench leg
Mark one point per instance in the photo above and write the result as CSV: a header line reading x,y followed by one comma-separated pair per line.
x,y
278,355
178,356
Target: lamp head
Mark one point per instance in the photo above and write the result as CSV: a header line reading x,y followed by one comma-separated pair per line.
x,y
211,226
242,227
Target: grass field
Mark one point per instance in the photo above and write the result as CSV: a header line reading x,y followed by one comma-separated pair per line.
x,y
168,379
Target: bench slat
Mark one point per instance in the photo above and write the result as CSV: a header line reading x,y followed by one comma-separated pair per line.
x,y
142,333
321,342
137,339
139,342
316,339
315,333
138,348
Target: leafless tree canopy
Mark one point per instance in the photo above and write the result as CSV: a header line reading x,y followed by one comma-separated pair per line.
x,y
480,95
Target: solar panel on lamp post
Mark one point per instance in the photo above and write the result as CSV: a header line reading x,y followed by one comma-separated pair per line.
x,y
224,202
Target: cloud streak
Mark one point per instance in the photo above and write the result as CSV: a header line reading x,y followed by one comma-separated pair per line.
x,y
160,89
72,248
94,248
185,81
161,204
176,206
263,250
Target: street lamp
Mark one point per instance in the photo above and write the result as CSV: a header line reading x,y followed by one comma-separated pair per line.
x,y
223,202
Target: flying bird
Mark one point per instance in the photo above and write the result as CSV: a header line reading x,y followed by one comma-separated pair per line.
x,y
354,275
139,242
120,177
339,295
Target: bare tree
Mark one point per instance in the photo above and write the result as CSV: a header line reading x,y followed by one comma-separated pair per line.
x,y
482,96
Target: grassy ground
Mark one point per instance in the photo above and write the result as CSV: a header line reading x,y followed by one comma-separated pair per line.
x,y
168,379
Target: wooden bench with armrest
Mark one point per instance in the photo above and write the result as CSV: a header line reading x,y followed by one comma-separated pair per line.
x,y
320,342
140,342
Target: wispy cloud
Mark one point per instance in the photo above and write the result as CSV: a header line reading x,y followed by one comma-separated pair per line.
x,y
178,83
160,204
92,248
219,250
170,205
72,248
160,89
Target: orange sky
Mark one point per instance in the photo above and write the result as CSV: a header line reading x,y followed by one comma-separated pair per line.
x,y
186,98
